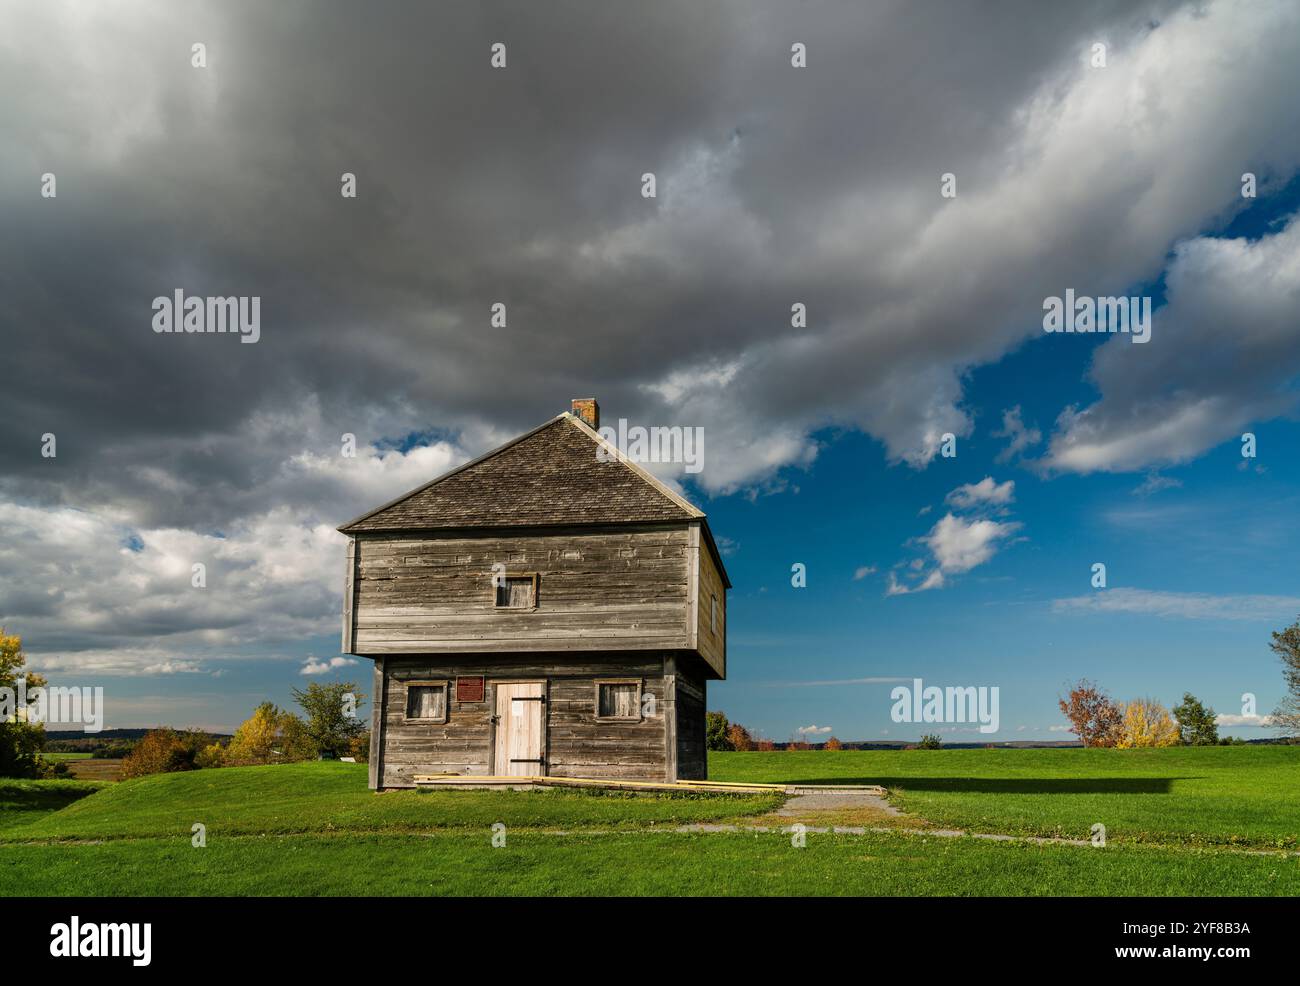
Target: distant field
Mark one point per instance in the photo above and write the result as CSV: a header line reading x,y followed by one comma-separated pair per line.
x,y
96,770
66,756
1219,795
313,828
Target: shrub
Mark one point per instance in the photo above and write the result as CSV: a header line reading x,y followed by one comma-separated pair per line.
x,y
163,751
930,741
833,744
212,755
359,748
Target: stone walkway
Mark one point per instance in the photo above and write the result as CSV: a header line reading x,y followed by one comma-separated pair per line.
x,y
813,799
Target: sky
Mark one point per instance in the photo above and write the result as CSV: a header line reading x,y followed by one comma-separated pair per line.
x,y
1094,147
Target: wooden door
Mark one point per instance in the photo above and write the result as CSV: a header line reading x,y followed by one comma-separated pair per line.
x,y
520,738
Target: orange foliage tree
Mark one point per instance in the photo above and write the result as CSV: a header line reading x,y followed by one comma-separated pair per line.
x,y
1094,718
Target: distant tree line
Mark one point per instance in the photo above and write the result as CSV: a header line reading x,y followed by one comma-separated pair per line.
x,y
329,728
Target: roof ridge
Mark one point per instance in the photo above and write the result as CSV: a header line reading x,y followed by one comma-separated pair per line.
x,y
647,512
644,473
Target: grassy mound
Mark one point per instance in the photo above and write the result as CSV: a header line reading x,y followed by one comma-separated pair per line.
x,y
332,797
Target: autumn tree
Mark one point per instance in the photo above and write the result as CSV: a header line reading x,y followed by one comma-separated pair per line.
x,y
270,735
21,741
833,744
1196,725
1146,723
1286,645
332,722
1093,716
739,738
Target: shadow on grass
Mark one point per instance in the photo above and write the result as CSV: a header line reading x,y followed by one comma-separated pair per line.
x,y
34,797
1016,785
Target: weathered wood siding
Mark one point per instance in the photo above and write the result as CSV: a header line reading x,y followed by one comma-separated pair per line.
x,y
711,644
692,756
597,591
576,744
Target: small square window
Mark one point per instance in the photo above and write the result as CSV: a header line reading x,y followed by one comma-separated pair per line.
x,y
618,700
427,701
516,592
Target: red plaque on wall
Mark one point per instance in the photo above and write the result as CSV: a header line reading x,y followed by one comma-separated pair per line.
x,y
469,689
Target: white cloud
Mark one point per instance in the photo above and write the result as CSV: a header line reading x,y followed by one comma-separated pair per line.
x,y
1154,483
958,544
837,681
173,667
1021,437
986,492
813,730
313,666
1181,605
863,571
1167,402
1224,719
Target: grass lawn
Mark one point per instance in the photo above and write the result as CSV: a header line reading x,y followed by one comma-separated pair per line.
x,y
65,756
534,863
313,828
1219,795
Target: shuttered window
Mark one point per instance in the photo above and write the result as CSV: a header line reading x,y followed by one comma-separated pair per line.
x,y
517,592
427,701
618,699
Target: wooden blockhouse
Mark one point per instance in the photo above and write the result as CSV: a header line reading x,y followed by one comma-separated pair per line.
x,y
549,608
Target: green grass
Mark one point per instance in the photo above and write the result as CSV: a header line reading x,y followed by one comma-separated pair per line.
x,y
1237,795
65,756
534,863
1173,818
332,797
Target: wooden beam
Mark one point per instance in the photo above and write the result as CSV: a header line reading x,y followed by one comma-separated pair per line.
x,y
670,719
349,597
378,703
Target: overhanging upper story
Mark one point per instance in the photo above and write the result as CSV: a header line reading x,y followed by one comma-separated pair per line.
x,y
552,542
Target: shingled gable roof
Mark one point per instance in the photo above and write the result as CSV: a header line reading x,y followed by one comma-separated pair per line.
x,y
548,476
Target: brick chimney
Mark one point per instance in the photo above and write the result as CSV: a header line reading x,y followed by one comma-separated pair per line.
x,y
588,410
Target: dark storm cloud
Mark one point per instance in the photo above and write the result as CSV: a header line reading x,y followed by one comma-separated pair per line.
x,y
475,186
